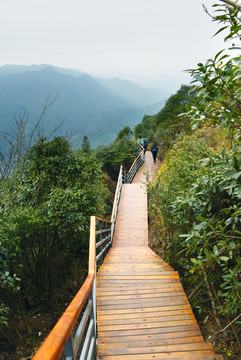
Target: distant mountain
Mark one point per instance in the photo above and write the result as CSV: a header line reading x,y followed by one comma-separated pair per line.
x,y
138,95
17,69
85,105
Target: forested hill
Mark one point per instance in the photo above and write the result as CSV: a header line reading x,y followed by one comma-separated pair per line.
x,y
83,104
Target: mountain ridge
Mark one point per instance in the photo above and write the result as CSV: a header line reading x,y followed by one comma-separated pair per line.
x,y
85,105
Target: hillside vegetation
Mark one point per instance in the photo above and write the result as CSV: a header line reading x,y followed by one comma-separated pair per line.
x,y
195,199
47,198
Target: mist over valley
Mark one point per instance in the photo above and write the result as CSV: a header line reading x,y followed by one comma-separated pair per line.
x,y
84,105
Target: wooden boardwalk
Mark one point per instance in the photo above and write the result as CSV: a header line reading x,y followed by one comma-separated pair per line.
x,y
142,310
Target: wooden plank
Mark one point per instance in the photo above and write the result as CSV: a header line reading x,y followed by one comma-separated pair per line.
x,y
147,332
164,275
111,317
146,325
143,310
132,339
114,298
135,282
134,303
157,318
138,290
132,272
143,305
174,347
117,261
191,355
136,262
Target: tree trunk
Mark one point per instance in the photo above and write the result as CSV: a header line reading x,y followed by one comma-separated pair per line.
x,y
209,290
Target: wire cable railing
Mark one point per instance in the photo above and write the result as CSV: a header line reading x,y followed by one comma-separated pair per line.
x,y
67,339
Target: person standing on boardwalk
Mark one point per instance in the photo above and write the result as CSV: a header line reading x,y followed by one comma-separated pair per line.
x,y
145,143
154,150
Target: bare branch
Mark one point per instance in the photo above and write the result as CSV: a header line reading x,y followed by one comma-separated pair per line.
x,y
56,128
46,106
18,142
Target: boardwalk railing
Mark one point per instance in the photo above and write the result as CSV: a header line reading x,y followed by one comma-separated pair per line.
x,y
128,176
73,337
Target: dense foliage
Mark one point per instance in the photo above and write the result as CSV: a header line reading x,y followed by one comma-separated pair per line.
x,y
195,199
122,151
44,225
166,127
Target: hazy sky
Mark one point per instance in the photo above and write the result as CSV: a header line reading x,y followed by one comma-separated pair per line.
x,y
149,39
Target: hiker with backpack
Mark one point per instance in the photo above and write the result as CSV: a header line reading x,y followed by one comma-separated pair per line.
x,y
144,143
154,150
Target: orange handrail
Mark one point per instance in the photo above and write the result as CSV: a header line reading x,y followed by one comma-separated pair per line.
x,y
53,345
133,164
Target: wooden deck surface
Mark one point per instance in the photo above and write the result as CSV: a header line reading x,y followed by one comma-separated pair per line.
x,y
142,310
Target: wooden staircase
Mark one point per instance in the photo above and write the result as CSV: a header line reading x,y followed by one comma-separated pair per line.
x,y
142,310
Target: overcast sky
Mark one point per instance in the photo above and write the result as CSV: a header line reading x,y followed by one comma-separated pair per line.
x,y
135,39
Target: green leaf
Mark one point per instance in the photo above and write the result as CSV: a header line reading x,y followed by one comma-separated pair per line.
x,y
229,173
237,121
219,53
224,258
192,270
194,261
215,250
214,156
206,252
220,30
201,218
198,78
237,175
228,221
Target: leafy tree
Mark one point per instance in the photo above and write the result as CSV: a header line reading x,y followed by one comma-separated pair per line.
x,y
146,128
125,133
168,124
85,145
165,127
180,170
213,201
122,151
45,210
218,90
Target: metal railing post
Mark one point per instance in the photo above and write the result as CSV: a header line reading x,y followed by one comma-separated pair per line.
x,y
92,296
101,245
68,349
